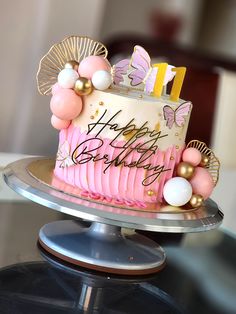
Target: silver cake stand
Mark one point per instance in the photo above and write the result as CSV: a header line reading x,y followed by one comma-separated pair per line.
x,y
105,245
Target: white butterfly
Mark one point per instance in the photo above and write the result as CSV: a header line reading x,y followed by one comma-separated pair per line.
x,y
63,155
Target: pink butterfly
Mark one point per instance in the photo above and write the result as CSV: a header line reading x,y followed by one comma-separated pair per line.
x,y
176,116
120,69
144,72
63,155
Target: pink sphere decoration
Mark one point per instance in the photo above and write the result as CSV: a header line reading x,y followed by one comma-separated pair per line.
x,y
59,124
55,88
192,156
91,64
202,182
65,104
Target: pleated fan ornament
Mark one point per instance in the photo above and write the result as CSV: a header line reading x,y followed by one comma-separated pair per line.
x,y
71,49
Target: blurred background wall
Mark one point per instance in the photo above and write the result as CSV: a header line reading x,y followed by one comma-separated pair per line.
x,y
30,27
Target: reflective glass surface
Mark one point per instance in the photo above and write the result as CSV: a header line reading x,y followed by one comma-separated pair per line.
x,y
199,277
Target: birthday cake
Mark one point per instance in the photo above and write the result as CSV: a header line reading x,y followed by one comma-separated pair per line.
x,y
122,138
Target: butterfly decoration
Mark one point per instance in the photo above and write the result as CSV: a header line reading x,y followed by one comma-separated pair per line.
x,y
144,72
177,115
63,155
120,69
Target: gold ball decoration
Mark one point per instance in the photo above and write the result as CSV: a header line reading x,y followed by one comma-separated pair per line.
x,y
72,64
185,170
150,192
83,86
196,200
205,160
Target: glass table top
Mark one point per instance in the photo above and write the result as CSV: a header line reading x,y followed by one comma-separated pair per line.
x,y
199,276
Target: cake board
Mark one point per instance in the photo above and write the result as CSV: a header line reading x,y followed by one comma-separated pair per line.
x,y
105,245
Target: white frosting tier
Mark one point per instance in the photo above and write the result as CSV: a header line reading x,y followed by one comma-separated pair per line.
x,y
126,106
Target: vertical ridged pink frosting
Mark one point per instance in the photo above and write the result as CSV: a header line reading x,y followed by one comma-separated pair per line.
x,y
119,182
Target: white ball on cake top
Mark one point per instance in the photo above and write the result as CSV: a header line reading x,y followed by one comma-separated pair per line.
x,y
67,78
102,80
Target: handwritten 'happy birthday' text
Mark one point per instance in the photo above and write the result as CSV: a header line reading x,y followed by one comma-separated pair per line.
x,y
140,140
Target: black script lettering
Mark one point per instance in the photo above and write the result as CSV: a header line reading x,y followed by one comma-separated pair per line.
x,y
158,170
86,153
142,141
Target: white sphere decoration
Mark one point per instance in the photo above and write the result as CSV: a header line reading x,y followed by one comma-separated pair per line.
x,y
101,80
67,78
177,191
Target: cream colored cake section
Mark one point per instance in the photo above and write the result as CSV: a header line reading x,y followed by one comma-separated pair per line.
x,y
122,107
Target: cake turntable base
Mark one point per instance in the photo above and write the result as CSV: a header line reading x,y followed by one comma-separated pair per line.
x,y
105,245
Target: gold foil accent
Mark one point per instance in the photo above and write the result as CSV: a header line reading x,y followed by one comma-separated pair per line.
x,y
213,165
177,146
74,48
172,157
157,127
129,135
92,117
101,103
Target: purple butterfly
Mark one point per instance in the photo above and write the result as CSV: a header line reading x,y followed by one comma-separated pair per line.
x,y
144,72
120,69
176,116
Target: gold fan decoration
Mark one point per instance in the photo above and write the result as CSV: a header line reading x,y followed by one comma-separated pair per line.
x,y
73,48
213,165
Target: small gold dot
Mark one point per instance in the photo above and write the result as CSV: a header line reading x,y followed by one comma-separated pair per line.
x,y
159,114
92,117
172,158
176,134
150,192
177,146
101,103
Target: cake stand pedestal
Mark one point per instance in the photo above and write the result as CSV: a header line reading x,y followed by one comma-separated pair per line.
x,y
103,246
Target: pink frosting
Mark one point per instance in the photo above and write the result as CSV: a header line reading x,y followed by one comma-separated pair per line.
x,y
120,183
